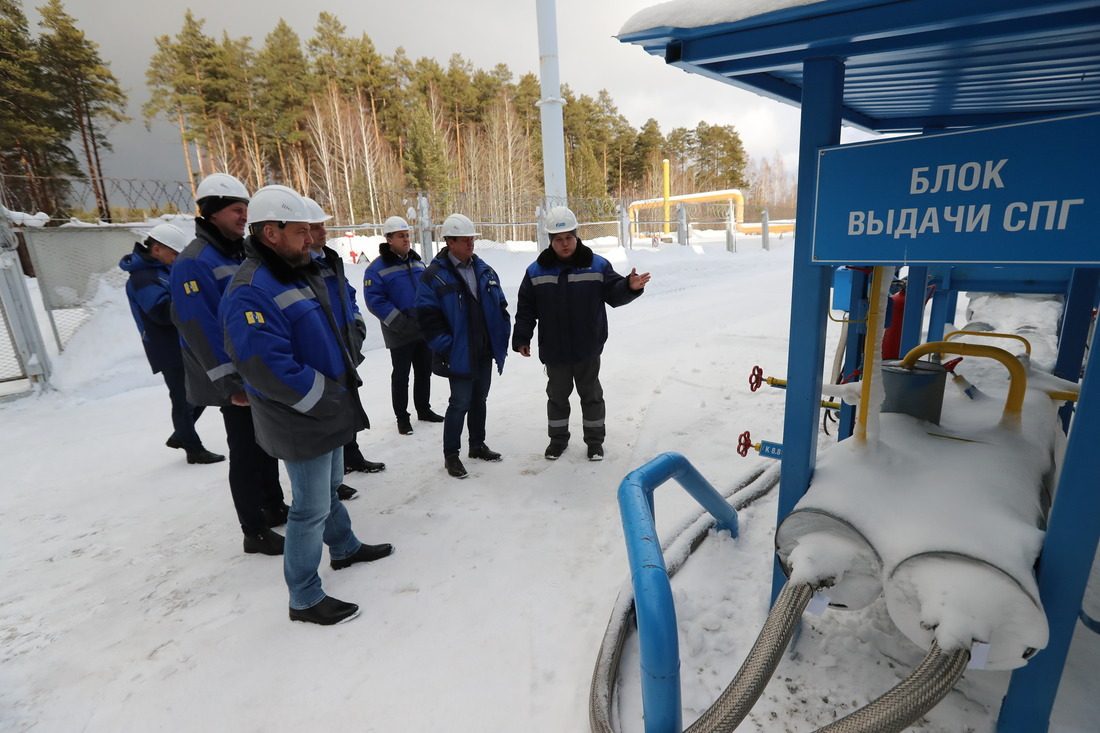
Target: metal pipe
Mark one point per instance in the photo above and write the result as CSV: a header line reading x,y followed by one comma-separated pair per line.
x,y
732,195
911,698
991,334
1017,386
550,106
658,644
870,351
744,690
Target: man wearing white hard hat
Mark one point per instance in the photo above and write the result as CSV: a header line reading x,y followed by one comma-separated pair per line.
x,y
151,306
565,292
463,314
288,325
389,288
199,277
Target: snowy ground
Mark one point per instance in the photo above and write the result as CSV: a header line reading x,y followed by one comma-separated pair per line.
x,y
129,606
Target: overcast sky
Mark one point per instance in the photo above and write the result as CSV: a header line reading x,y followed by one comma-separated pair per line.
x,y
486,32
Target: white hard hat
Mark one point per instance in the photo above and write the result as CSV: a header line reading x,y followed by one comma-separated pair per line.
x,y
457,225
315,209
395,224
170,236
278,203
560,219
221,185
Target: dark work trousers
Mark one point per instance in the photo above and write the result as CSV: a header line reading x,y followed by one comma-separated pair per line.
x,y
184,414
253,474
416,357
560,379
467,403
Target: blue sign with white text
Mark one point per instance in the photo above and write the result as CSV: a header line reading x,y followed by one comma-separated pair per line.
x,y
771,450
1027,192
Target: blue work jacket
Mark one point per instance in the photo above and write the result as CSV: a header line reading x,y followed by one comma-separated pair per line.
x,y
287,336
198,278
446,316
389,288
151,307
567,301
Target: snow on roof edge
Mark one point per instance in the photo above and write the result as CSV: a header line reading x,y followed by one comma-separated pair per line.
x,y
699,13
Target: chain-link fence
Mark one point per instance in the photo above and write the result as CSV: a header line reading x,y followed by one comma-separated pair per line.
x,y
71,264
10,367
126,199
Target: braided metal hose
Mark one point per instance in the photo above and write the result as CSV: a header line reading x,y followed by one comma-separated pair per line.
x,y
741,694
602,689
909,699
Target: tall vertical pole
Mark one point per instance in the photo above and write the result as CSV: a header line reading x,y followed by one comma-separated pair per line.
x,y
822,89
667,189
550,107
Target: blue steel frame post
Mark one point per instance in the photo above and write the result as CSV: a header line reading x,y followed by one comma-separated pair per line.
x,y
853,347
822,92
1076,321
913,318
1073,531
944,303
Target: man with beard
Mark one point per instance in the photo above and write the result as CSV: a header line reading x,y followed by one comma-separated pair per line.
x,y
287,329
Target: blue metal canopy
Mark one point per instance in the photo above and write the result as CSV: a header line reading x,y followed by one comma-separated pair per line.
x,y
909,65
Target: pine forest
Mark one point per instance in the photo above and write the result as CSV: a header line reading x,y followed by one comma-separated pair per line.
x,y
332,117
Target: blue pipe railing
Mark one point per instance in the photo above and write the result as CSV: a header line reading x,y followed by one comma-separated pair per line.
x,y
658,645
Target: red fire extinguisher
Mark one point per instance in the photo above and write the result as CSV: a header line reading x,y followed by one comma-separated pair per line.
x,y
891,337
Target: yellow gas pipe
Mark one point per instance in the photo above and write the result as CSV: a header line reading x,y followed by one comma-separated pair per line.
x,y
992,334
870,347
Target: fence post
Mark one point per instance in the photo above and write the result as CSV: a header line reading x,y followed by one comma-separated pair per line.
x,y
731,229
424,225
626,239
541,240
764,229
15,301
681,225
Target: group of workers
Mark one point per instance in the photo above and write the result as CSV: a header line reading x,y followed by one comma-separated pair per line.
x,y
253,313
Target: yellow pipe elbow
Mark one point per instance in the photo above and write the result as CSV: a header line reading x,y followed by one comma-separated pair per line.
x,y
1014,403
991,334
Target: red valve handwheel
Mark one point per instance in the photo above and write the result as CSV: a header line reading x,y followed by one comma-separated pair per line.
x,y
744,442
756,378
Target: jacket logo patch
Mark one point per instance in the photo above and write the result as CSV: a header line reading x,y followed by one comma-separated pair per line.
x,y
191,287
254,318
369,282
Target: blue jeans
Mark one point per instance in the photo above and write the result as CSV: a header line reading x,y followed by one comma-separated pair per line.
x,y
467,404
316,515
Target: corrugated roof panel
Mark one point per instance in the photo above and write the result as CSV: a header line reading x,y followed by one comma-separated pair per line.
x,y
909,64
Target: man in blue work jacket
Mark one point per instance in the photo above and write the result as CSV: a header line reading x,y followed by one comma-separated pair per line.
x,y
198,279
389,287
564,292
151,305
288,328
463,314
